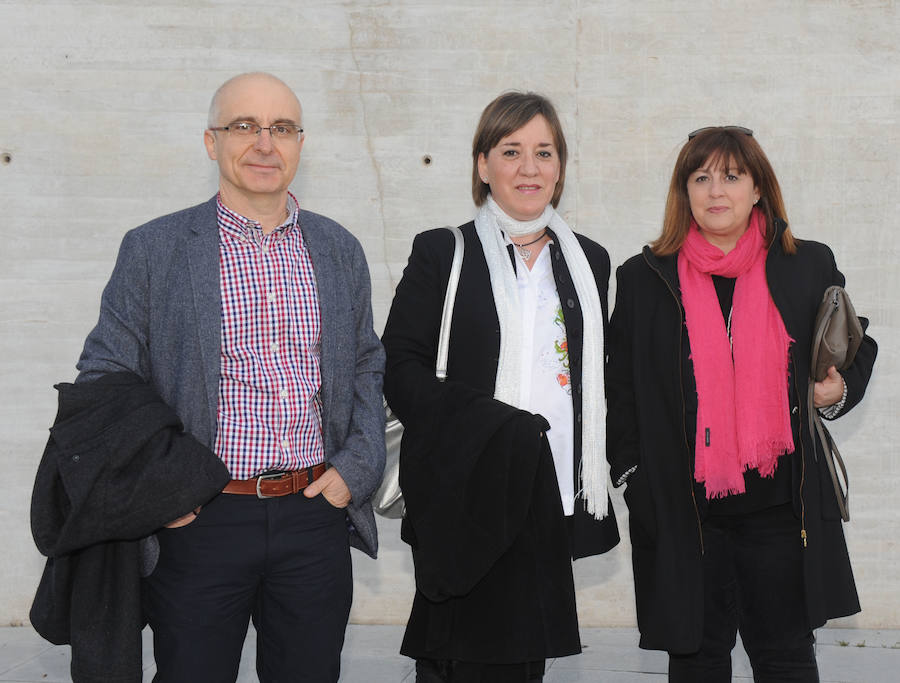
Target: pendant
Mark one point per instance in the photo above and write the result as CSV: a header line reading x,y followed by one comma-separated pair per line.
x,y
523,250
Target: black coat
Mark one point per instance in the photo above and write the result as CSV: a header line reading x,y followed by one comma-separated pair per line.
x,y
410,340
647,428
117,466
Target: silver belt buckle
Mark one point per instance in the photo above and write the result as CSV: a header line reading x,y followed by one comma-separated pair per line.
x,y
259,493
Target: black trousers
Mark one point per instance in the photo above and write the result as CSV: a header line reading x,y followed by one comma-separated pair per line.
x,y
450,671
752,584
284,562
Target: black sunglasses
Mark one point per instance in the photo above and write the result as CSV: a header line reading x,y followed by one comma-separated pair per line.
x,y
739,129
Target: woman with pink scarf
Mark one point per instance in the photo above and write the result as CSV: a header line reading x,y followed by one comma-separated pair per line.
x,y
734,523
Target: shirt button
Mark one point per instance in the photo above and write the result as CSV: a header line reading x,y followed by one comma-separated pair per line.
x,y
284,444
271,296
578,418
284,393
570,303
274,347
794,410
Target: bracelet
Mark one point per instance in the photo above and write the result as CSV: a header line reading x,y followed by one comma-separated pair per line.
x,y
832,411
621,480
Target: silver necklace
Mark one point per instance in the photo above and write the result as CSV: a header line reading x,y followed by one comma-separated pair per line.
x,y
523,251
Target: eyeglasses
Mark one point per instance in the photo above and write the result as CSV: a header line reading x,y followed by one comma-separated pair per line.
x,y
739,129
246,129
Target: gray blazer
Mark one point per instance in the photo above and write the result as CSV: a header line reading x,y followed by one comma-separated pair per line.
x,y
160,317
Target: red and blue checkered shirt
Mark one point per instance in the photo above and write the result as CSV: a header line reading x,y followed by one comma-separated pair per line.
x,y
270,412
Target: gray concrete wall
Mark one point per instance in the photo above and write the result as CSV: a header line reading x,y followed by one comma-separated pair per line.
x,y
104,103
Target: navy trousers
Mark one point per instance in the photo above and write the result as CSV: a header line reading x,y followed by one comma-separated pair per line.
x,y
752,584
284,562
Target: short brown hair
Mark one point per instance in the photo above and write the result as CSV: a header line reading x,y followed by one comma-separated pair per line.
x,y
732,146
505,115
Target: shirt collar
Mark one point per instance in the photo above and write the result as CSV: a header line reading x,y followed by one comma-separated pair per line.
x,y
233,222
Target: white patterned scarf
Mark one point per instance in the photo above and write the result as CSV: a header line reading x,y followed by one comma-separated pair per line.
x,y
490,224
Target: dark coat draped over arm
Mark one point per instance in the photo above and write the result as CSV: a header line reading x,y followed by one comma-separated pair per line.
x,y
117,467
469,477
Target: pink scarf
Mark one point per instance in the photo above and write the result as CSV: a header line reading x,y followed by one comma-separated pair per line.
x,y
743,419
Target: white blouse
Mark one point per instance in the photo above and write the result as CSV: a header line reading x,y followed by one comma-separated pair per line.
x,y
546,383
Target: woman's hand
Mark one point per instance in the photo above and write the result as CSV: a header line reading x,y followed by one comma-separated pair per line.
x,y
830,390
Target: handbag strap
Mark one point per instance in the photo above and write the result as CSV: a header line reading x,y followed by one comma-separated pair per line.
x,y
443,350
832,455
835,305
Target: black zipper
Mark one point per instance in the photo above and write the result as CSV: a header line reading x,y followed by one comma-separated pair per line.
x,y
800,409
803,537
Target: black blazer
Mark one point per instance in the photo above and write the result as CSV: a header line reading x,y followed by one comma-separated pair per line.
x,y
410,340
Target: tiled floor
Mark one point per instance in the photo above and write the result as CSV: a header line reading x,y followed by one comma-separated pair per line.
x,y
610,655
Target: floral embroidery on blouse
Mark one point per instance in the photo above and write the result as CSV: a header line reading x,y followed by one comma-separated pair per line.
x,y
561,347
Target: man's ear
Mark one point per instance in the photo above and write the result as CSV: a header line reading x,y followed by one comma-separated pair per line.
x,y
209,139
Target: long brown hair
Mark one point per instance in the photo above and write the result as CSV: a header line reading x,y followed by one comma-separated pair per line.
x,y
738,149
506,114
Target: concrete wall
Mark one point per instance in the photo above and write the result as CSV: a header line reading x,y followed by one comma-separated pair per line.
x,y
104,103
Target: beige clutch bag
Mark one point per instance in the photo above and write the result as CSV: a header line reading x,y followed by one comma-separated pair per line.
x,y
838,333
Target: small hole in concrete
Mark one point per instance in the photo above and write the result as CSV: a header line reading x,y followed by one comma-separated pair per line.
x,y
426,160
6,158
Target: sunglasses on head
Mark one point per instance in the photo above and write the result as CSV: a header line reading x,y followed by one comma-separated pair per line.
x,y
739,129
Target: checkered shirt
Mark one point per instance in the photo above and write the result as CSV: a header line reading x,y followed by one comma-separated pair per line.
x,y
270,413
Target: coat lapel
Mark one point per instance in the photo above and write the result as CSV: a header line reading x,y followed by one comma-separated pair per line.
x,y
203,257
321,254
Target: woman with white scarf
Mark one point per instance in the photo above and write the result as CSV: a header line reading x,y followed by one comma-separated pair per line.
x,y
503,465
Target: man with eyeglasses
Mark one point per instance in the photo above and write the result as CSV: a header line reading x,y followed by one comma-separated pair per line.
x,y
252,318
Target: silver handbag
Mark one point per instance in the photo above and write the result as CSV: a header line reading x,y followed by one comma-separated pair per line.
x,y
388,498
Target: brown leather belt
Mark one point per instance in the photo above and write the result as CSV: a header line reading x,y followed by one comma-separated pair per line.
x,y
279,484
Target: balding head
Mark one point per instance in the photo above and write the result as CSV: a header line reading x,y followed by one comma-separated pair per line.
x,y
234,85
255,169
